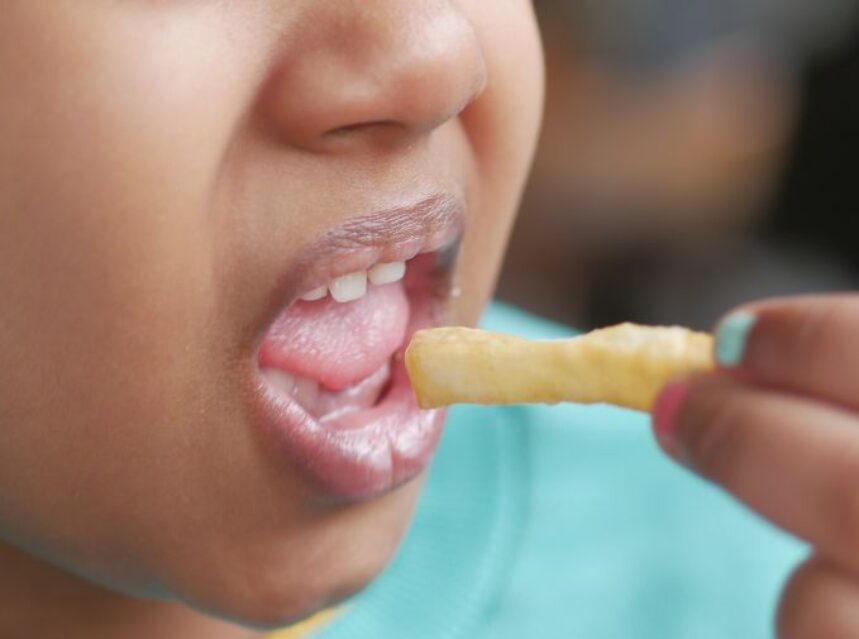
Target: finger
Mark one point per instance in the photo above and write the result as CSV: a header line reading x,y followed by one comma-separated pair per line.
x,y
806,344
793,460
821,601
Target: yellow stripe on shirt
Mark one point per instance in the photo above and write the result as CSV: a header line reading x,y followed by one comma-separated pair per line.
x,y
306,628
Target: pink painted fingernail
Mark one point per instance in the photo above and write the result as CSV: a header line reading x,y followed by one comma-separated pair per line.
x,y
665,413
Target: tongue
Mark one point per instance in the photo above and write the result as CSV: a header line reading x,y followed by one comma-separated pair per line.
x,y
338,345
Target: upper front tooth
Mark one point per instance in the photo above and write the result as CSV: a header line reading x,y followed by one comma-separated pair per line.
x,y
349,287
387,273
315,294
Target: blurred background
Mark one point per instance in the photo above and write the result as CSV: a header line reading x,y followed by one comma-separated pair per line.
x,y
695,154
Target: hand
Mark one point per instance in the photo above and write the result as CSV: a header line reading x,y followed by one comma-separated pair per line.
x,y
778,427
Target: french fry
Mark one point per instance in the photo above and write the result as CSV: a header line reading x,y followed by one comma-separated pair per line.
x,y
625,365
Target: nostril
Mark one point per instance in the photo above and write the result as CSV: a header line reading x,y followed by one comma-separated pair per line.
x,y
381,134
362,127
375,78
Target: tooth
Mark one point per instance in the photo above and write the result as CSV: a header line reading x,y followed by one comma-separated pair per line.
x,y
306,393
315,294
280,380
349,287
387,273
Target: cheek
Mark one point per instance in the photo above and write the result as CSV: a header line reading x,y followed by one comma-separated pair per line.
x,y
502,127
106,163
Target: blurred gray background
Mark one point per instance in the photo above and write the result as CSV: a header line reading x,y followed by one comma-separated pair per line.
x,y
695,154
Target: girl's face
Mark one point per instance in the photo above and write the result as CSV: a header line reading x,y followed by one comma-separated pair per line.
x,y
175,421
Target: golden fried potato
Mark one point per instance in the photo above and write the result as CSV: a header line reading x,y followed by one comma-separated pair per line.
x,y
625,365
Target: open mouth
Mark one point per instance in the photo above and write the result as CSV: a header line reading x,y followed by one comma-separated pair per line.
x,y
334,352
335,390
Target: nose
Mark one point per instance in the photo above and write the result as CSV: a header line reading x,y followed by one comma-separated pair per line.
x,y
373,72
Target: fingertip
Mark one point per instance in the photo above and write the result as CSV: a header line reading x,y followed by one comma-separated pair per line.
x,y
732,337
665,414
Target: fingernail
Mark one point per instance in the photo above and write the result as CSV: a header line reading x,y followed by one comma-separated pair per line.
x,y
665,413
732,336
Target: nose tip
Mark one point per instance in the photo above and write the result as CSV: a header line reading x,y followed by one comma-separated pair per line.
x,y
383,74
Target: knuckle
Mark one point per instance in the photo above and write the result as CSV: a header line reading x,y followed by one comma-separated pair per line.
x,y
796,332
810,328
807,345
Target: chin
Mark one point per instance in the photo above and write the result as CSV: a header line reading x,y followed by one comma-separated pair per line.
x,y
275,581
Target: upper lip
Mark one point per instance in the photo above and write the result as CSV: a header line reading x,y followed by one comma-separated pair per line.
x,y
393,235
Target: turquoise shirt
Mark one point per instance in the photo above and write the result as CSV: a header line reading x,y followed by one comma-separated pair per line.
x,y
567,522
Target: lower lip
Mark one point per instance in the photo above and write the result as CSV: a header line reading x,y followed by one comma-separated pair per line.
x,y
382,448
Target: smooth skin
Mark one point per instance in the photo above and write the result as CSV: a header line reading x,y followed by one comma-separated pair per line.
x,y
161,164
779,429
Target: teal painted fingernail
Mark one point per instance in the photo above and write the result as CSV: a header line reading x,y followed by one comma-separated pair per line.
x,y
731,338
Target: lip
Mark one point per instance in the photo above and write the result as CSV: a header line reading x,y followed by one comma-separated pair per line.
x,y
384,446
392,235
